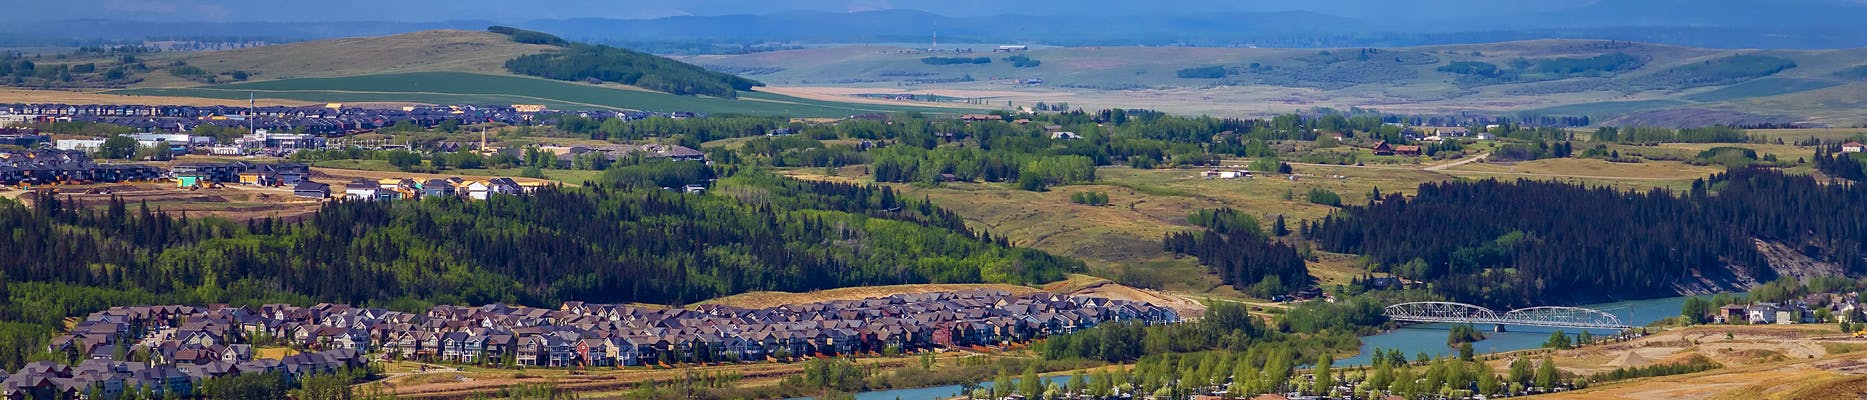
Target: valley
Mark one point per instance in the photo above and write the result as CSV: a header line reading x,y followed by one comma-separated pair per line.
x,y
1066,219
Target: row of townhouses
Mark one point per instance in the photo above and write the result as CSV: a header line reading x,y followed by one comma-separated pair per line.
x,y
31,167
102,378
597,335
331,119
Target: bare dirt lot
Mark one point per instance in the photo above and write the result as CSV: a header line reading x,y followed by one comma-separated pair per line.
x,y
235,202
1760,362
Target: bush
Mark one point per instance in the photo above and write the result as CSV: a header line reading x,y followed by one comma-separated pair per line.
x,y
1090,198
1022,61
1325,197
956,60
1212,72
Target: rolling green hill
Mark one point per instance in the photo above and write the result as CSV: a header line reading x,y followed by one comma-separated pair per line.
x,y
452,66
1602,79
477,88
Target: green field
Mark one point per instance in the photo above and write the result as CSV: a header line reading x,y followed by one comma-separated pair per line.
x,y
1762,88
471,88
1606,108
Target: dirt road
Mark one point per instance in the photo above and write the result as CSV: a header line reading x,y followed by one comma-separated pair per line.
x,y
1473,159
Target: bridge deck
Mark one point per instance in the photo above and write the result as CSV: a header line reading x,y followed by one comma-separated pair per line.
x,y
1460,313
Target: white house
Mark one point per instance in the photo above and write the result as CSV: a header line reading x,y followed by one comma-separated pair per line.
x,y
361,189
85,145
1762,313
7,120
1852,147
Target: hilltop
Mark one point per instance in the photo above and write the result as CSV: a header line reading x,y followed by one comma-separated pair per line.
x,y
1600,79
425,51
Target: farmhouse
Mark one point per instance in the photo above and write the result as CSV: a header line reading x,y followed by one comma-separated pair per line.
x,y
1407,150
1852,147
1383,149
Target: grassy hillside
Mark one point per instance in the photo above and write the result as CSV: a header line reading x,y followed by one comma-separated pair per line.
x,y
460,87
425,51
1597,78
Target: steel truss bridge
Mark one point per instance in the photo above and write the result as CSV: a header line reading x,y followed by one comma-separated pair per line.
x,y
1461,313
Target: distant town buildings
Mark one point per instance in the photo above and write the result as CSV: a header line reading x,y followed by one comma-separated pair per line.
x,y
44,166
321,120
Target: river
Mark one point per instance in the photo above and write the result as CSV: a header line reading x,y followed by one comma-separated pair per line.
x,y
1411,340
1431,338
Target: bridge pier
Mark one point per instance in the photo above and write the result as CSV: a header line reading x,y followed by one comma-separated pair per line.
x,y
1499,328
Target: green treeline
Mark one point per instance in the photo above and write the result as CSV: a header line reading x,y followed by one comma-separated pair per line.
x,y
1023,61
579,62
1542,69
1851,166
1539,242
1720,71
528,36
916,149
956,60
1234,247
1697,363
601,243
690,132
1209,72
1644,134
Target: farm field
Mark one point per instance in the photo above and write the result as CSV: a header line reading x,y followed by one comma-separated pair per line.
x,y
475,88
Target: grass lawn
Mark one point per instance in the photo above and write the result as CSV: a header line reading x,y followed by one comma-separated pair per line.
x,y
471,88
1673,175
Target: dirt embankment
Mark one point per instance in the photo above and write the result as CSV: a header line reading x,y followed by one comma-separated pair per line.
x,y
1759,362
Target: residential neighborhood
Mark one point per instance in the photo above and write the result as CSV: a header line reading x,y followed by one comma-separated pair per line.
x,y
32,167
175,348
327,120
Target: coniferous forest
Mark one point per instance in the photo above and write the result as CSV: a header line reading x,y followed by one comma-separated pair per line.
x,y
609,64
1233,247
1536,242
600,244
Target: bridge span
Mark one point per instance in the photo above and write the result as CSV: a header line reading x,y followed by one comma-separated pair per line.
x,y
1461,313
